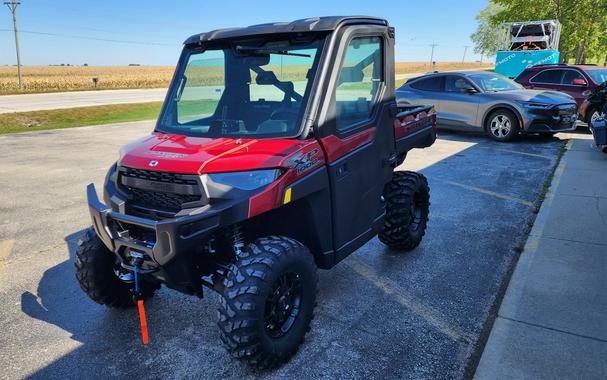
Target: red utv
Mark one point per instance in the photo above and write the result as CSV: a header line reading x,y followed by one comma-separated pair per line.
x,y
575,80
273,156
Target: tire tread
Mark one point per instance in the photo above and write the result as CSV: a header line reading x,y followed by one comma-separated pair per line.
x,y
237,314
400,192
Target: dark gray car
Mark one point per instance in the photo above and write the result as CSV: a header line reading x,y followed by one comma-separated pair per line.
x,y
485,101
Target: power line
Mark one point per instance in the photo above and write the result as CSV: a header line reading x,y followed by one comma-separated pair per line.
x,y
92,38
12,5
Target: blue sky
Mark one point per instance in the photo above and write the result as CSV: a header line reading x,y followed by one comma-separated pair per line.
x,y
152,31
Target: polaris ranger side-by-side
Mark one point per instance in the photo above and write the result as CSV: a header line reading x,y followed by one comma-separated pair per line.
x,y
273,156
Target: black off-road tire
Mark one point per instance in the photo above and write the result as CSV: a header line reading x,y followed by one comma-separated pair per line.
x,y
250,284
407,210
514,125
95,273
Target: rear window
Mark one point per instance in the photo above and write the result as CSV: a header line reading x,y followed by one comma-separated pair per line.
x,y
570,76
548,76
428,84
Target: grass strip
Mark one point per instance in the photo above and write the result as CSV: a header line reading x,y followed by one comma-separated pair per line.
x,y
77,117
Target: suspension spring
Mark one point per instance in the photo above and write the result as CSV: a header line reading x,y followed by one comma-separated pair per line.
x,y
237,239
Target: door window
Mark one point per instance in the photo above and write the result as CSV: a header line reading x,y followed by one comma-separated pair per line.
x,y
456,84
428,84
359,82
548,77
570,76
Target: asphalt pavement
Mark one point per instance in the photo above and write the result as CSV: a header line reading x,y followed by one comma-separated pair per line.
x,y
380,314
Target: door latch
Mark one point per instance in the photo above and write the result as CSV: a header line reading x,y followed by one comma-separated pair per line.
x,y
390,160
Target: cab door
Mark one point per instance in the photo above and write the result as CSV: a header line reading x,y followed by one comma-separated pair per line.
x,y
356,133
574,84
459,103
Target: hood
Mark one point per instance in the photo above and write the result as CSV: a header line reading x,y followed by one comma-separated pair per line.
x,y
198,155
536,96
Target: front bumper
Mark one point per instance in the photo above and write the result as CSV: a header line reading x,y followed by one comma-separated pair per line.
x,y
169,245
559,118
172,236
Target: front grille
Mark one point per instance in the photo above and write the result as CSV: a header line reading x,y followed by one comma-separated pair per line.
x,y
159,176
159,190
168,201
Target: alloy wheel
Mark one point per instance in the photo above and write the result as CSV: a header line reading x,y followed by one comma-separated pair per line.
x,y
416,212
500,126
283,304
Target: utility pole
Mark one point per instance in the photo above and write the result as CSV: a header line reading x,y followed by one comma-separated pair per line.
x,y
432,64
12,5
465,51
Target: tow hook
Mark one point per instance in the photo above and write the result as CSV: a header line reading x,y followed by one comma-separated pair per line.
x,y
137,260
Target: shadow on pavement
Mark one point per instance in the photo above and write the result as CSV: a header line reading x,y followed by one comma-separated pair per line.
x,y
49,304
109,339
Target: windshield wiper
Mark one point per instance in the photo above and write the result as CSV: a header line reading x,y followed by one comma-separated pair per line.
x,y
266,51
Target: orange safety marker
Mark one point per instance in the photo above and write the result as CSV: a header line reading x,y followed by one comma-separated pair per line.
x,y
143,322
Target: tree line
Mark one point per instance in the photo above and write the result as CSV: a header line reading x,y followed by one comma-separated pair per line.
x,y
584,26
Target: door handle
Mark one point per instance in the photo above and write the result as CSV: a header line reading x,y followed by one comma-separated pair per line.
x,y
341,171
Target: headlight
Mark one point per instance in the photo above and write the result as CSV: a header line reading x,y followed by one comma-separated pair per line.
x,y
537,105
246,180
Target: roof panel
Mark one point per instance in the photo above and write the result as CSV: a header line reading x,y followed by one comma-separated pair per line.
x,y
303,25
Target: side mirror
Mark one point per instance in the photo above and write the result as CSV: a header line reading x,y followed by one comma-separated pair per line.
x,y
471,90
579,82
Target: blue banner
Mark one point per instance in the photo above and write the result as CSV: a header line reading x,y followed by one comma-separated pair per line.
x,y
512,63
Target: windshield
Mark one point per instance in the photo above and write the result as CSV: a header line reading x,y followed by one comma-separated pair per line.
x,y
250,89
494,82
599,76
